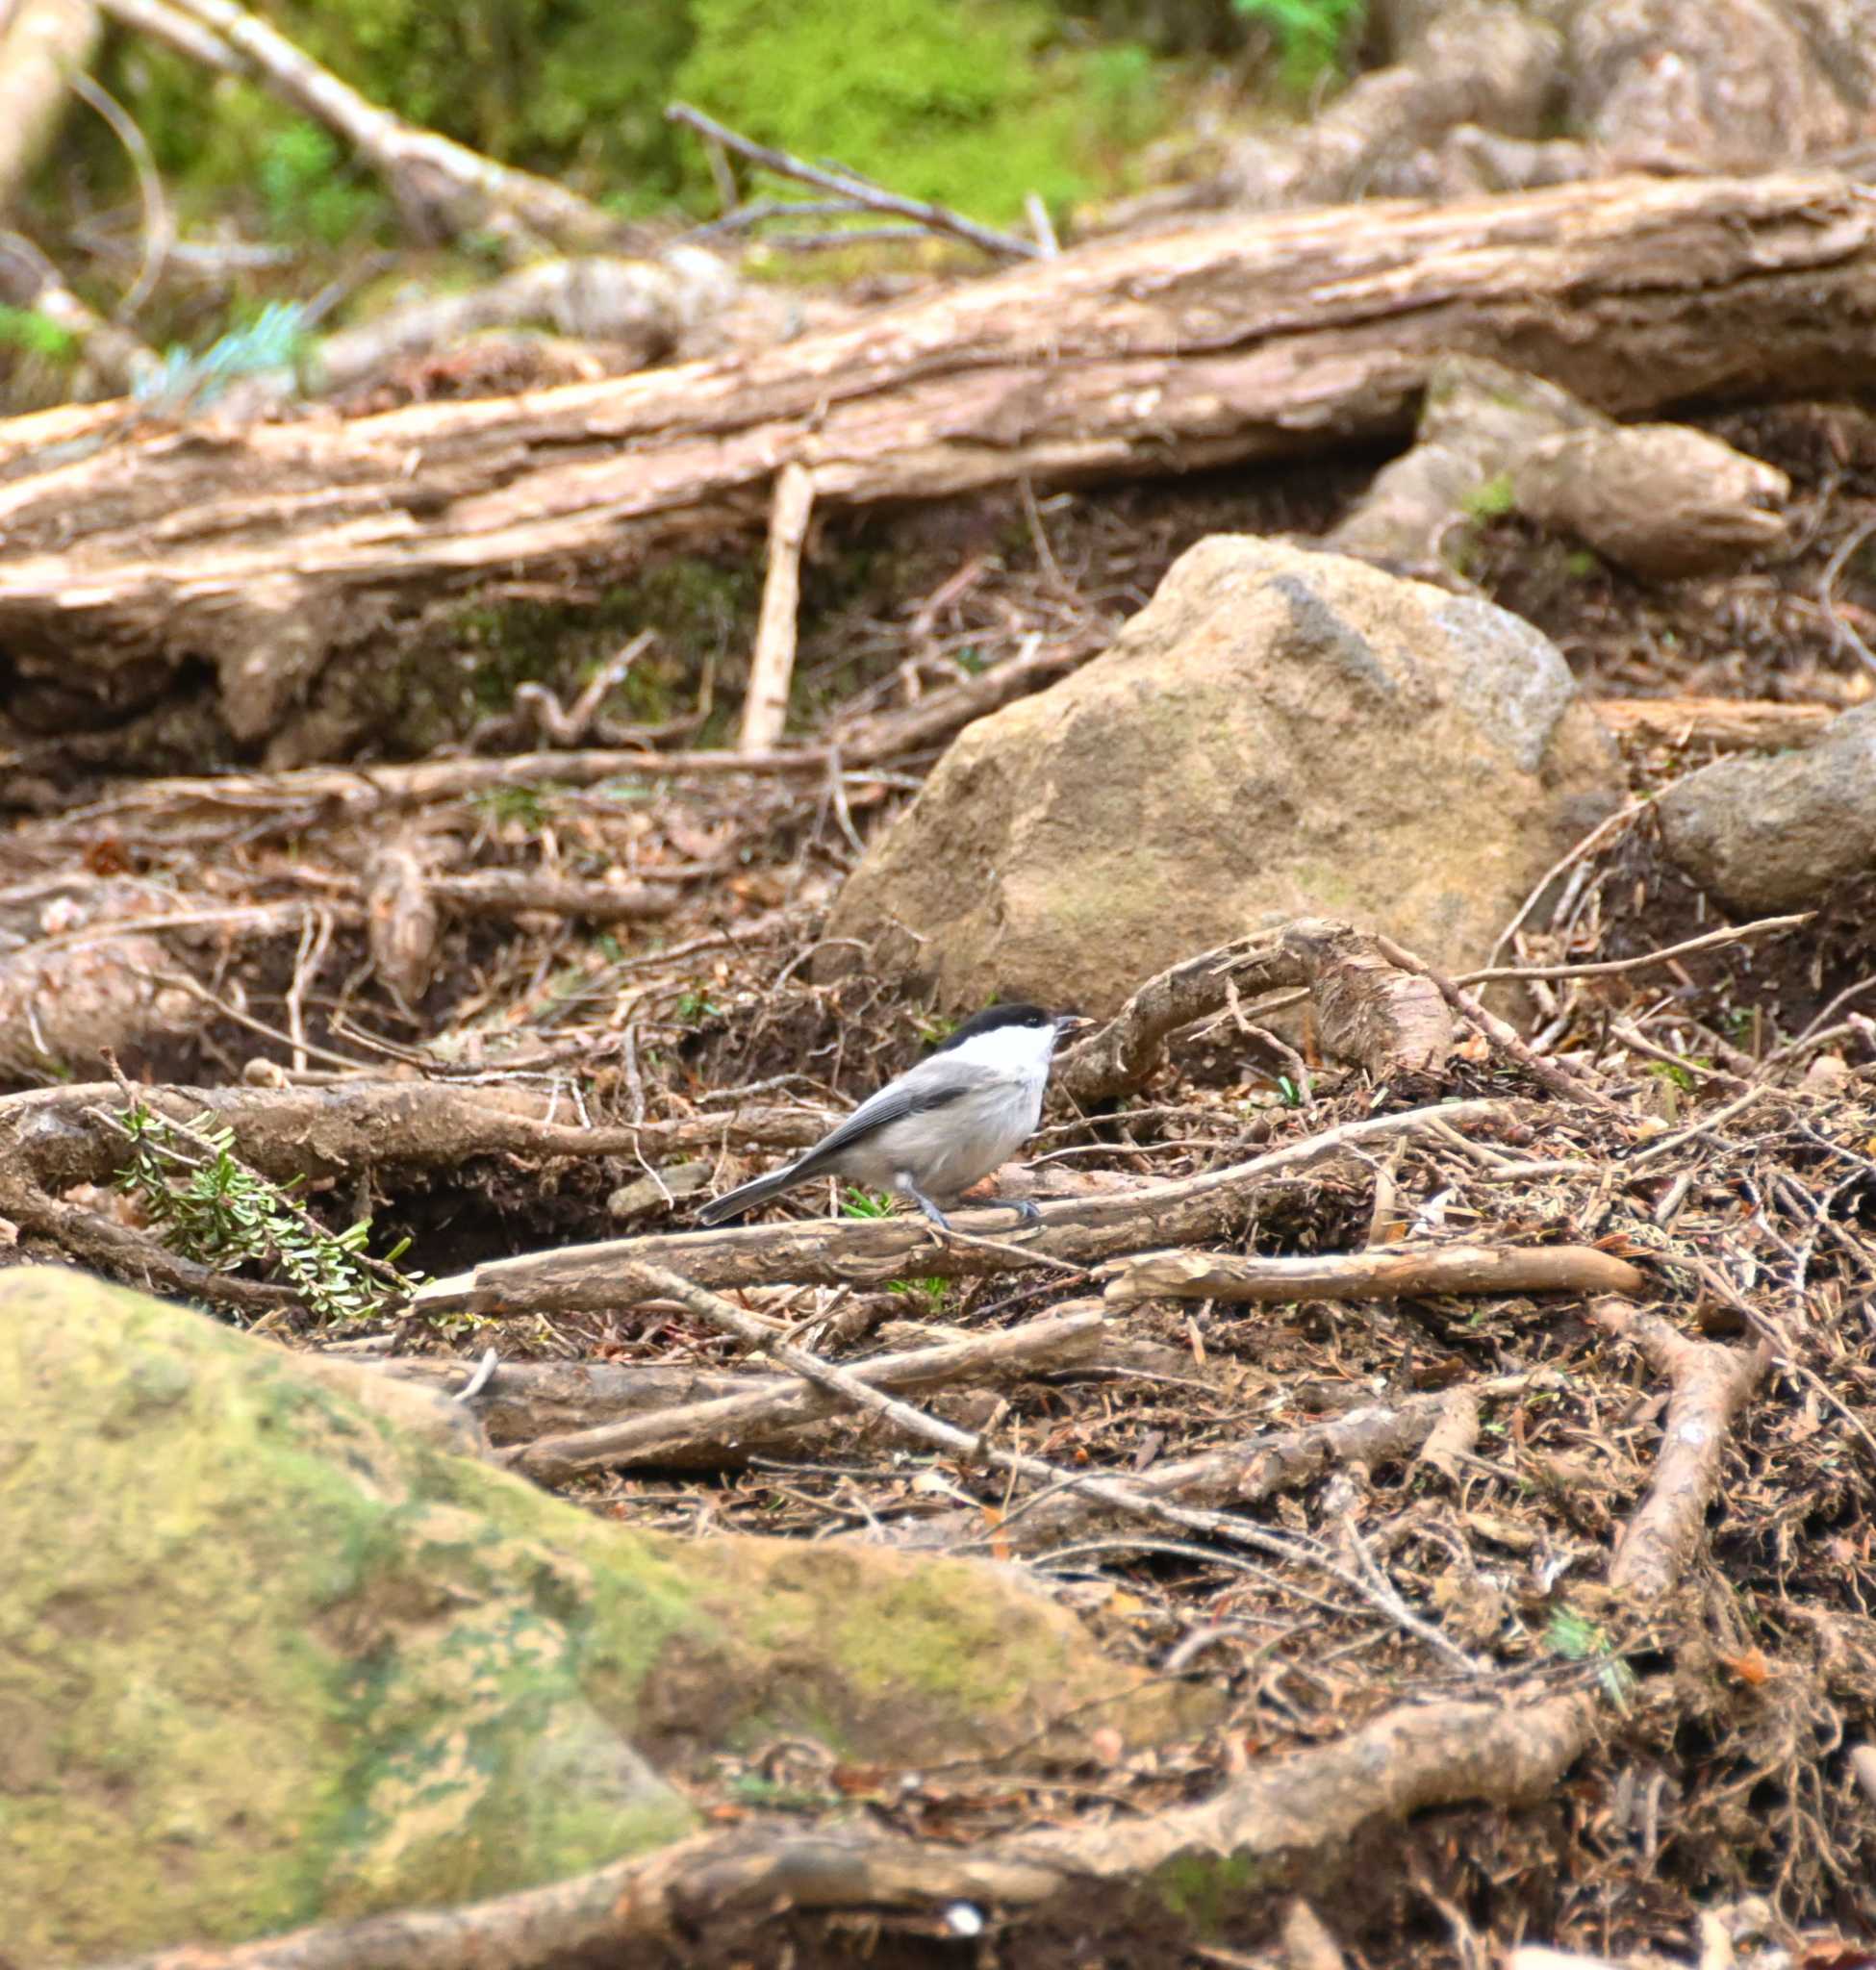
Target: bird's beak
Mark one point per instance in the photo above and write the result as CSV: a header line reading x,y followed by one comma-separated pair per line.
x,y
1071,1022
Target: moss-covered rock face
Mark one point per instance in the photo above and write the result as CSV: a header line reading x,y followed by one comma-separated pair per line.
x,y
269,1655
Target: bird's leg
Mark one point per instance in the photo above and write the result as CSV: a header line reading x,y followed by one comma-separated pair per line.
x,y
903,1183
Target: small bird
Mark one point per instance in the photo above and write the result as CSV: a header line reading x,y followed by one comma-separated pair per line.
x,y
965,1108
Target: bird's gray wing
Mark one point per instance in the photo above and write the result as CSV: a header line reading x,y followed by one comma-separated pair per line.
x,y
933,1083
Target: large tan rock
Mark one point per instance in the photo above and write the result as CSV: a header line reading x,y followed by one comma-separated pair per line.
x,y
1278,731
269,1655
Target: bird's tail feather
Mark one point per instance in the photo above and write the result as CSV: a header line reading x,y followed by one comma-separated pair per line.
x,y
735,1202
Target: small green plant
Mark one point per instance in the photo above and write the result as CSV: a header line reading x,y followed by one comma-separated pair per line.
x,y
865,1203
1671,1071
1578,1639
1579,564
523,805
34,334
931,1291
1288,1093
697,1005
1311,34
933,1028
1491,499
221,1214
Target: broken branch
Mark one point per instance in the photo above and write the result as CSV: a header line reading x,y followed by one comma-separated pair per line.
x,y
1388,1272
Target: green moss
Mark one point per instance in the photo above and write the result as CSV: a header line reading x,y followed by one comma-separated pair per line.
x,y
1491,499
1204,1889
962,101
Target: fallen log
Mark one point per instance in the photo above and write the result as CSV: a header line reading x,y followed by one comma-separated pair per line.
x,y
266,548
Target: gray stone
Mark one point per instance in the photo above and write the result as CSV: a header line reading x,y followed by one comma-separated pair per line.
x,y
1278,731
1765,835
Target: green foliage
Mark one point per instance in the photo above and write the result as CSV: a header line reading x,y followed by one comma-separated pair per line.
x,y
1311,34
865,1203
221,1214
34,334
961,101
1578,1639
304,186
1491,499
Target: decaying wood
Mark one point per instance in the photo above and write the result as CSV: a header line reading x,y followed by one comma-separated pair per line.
x,y
1733,725
1709,1385
1386,1020
1254,339
724,1431
1388,1272
1504,1037
1389,1021
1289,1818
1661,500
1130,1047
51,1140
771,667
1081,1232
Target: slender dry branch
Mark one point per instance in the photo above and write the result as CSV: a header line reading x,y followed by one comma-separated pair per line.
x,y
1708,1387
725,1429
1386,1020
849,185
1713,940
771,668
1081,1232
1388,1272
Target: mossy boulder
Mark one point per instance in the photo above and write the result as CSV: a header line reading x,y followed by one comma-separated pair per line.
x,y
274,1650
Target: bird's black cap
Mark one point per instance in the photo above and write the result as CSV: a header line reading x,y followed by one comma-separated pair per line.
x,y
993,1017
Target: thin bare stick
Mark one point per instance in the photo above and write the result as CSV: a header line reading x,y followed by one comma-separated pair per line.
x,y
159,221
1253,1468
1589,844
1764,926
1388,1272
722,1428
771,669
846,184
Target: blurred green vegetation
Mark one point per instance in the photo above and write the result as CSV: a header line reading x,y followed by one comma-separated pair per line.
x,y
971,102
1312,37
